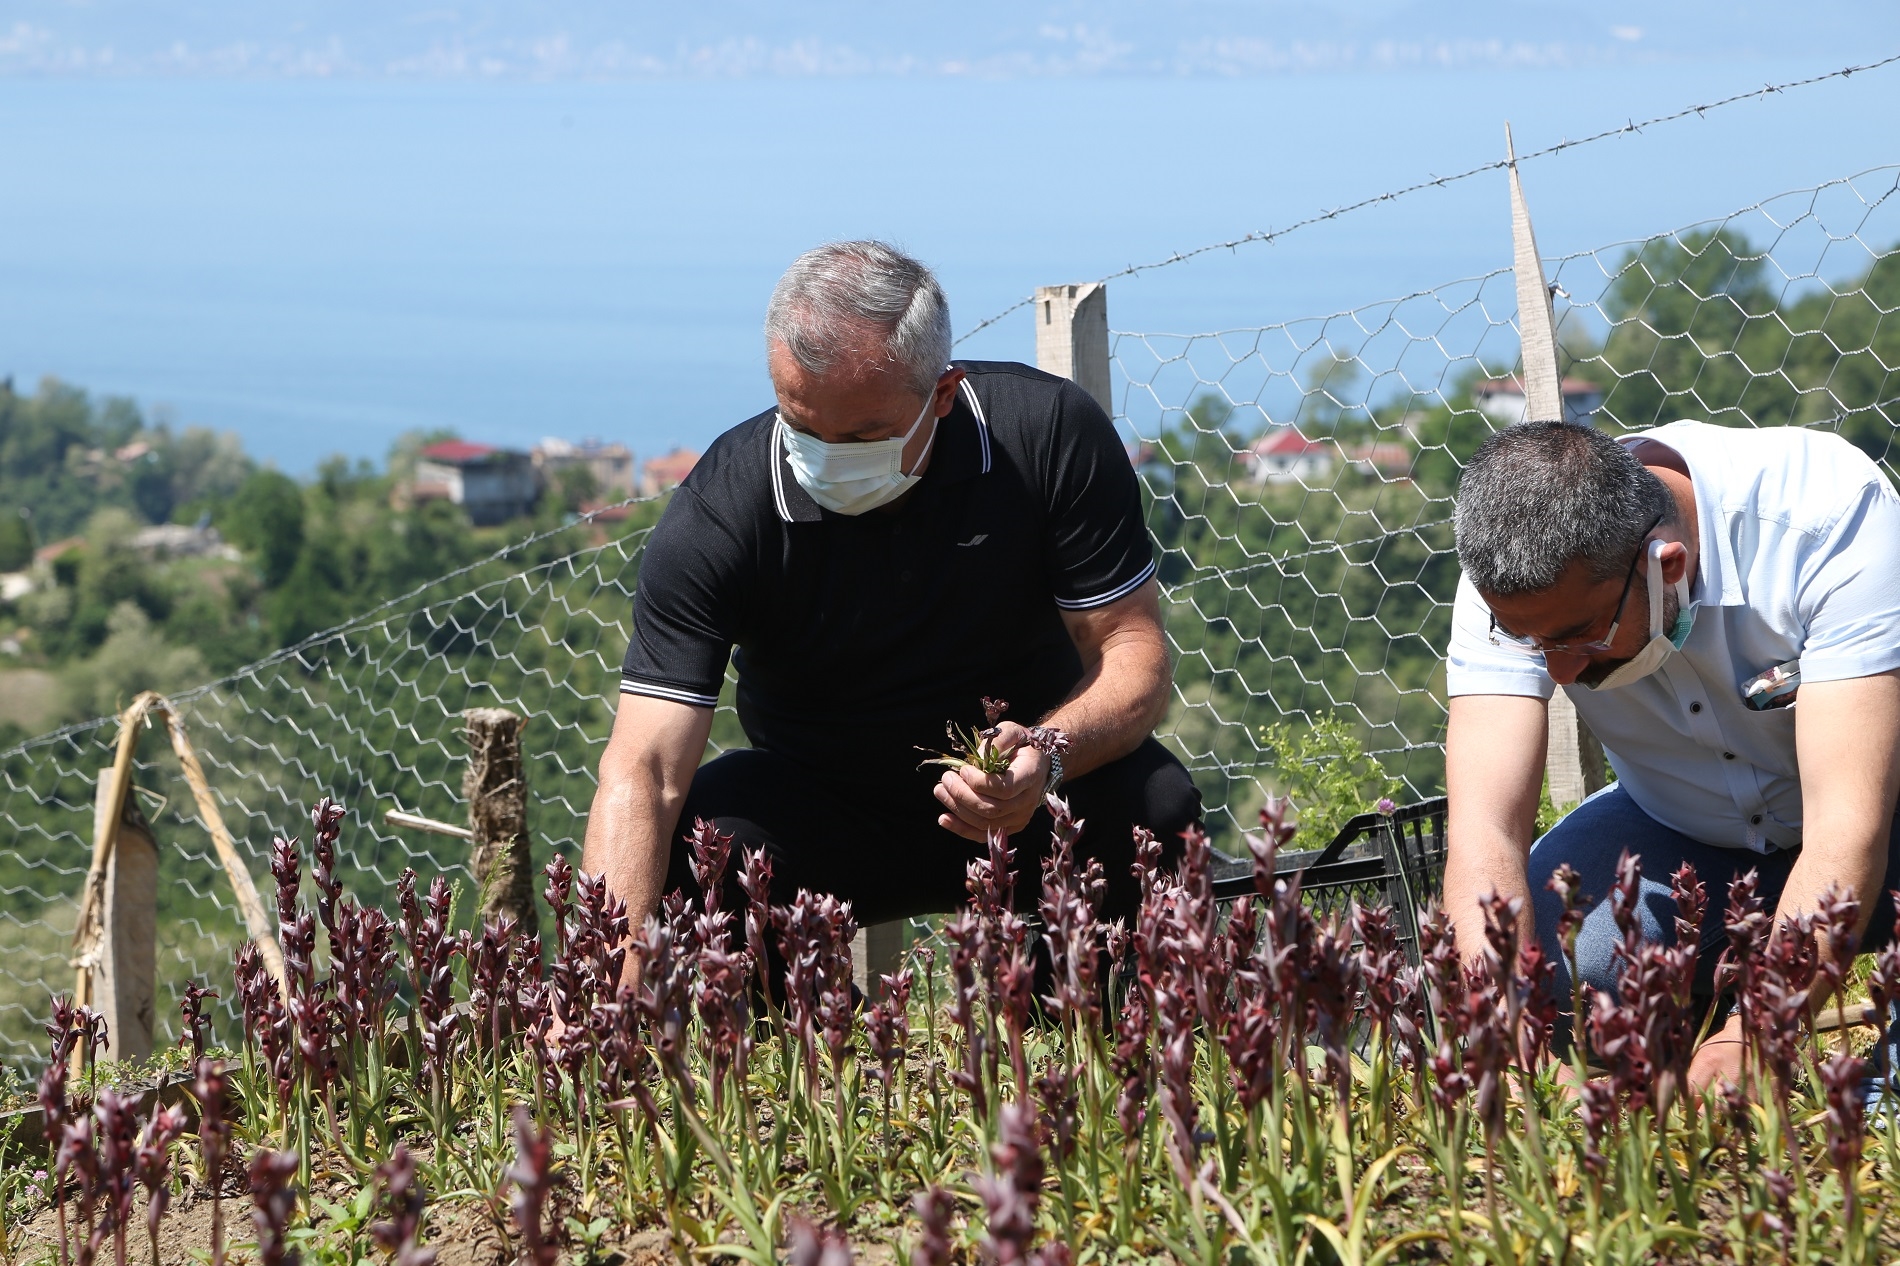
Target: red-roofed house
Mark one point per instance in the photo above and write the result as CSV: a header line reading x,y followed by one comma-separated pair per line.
x,y
669,470
1502,399
1284,456
491,484
1388,460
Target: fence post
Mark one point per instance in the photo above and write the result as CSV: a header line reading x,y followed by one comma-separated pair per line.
x,y
496,788
876,951
126,992
1573,758
1072,338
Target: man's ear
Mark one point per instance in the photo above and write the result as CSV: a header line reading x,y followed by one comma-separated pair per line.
x,y
1675,561
946,396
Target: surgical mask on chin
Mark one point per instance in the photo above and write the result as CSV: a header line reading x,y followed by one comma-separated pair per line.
x,y
1661,644
854,478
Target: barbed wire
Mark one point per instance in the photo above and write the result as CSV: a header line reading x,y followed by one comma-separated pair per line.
x,y
1439,182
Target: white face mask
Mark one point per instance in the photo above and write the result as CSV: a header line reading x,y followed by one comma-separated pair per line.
x,y
853,478
1661,644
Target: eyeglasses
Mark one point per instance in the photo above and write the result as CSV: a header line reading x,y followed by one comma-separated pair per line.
x,y
1500,634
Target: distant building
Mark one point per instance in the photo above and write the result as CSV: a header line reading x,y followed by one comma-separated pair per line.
x,y
1283,456
180,540
1502,400
611,465
666,471
1388,460
48,553
491,484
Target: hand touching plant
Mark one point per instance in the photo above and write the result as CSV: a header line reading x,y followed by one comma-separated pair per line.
x,y
994,778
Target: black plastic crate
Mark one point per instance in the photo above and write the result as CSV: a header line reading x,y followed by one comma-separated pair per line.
x,y
1395,859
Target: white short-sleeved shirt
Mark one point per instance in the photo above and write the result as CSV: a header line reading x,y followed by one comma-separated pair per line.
x,y
1800,542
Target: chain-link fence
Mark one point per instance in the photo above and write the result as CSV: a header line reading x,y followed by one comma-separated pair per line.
x,y
1300,478
1302,474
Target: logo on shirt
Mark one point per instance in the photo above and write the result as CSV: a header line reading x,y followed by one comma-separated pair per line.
x,y
978,539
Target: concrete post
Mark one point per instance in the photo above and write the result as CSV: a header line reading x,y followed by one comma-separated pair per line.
x,y
1072,338
1573,761
876,951
1573,758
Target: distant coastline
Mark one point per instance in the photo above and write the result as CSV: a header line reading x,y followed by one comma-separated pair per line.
x,y
320,266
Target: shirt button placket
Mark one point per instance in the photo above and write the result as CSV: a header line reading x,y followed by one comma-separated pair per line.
x,y
1707,733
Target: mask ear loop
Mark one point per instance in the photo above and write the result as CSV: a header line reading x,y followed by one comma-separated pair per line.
x,y
1655,589
935,422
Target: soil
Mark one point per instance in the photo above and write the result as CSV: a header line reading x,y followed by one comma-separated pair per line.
x,y
461,1232
464,1232
183,1236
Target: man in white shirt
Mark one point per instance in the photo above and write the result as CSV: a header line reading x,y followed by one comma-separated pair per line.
x,y
1656,579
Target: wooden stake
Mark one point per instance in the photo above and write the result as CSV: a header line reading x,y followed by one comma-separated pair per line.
x,y
127,980
416,822
242,887
89,930
495,786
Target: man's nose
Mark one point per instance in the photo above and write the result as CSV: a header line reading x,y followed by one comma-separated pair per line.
x,y
1564,669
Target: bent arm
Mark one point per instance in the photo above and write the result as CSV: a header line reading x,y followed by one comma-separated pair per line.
x,y
644,776
1494,770
1847,745
1121,697
1123,693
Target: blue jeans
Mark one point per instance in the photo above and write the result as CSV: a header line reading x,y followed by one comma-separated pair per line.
x,y
1592,836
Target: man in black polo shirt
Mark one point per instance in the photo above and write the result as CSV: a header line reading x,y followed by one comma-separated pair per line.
x,y
898,539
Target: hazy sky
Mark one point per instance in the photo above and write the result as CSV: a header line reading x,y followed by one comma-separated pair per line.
x,y
320,225
644,38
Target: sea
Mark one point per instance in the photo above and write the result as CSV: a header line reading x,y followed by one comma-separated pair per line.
x,y
320,266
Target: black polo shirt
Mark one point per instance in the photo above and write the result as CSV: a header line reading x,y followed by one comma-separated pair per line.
x,y
859,636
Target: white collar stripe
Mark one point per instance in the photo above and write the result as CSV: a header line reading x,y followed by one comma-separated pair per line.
x,y
982,423
778,476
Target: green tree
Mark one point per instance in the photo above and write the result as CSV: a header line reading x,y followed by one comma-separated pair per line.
x,y
134,656
315,595
1696,333
16,540
107,572
266,518
1844,358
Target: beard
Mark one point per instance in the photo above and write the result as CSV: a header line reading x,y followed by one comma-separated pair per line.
x,y
1600,669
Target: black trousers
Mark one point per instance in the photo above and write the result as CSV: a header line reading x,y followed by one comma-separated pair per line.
x,y
886,854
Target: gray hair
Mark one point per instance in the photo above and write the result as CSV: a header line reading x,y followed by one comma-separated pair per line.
x,y
1539,496
831,296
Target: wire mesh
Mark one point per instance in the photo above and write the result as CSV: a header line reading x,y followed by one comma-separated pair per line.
x,y
1302,474
1300,480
